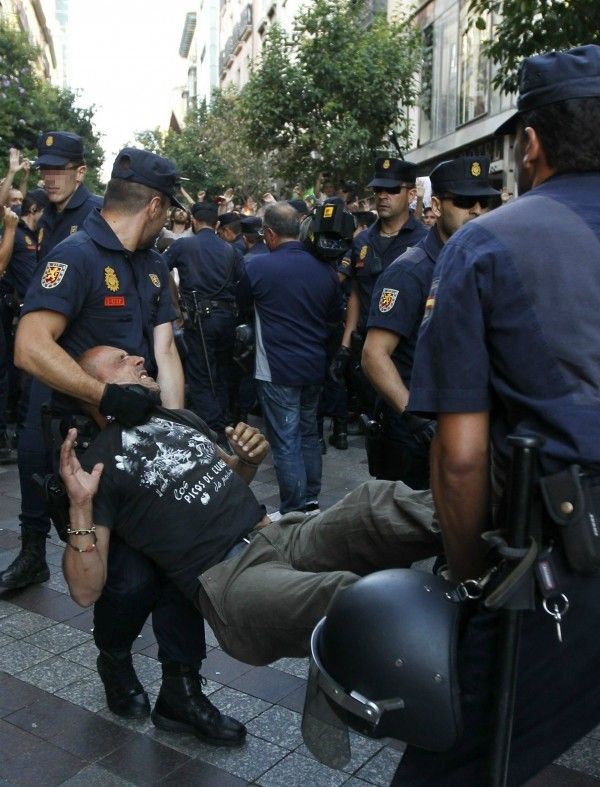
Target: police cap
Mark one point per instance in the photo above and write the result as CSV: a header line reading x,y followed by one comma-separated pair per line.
x,y
204,211
229,218
149,169
555,76
467,176
393,172
299,205
58,148
251,224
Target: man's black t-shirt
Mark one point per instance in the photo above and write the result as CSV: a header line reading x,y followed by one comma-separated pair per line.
x,y
165,491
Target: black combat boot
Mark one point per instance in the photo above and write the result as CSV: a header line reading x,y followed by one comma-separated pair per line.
x,y
29,567
339,437
125,695
182,707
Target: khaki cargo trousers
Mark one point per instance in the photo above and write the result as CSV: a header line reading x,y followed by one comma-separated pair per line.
x,y
264,603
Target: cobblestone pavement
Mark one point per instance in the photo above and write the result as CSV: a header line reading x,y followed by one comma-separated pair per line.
x,y
55,727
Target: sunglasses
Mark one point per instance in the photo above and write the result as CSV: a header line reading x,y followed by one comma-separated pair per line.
x,y
390,189
460,201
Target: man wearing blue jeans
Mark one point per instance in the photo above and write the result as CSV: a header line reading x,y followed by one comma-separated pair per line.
x,y
295,298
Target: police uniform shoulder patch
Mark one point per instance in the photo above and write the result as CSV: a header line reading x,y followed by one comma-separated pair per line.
x,y
53,274
28,241
363,252
111,279
387,299
154,279
476,169
73,229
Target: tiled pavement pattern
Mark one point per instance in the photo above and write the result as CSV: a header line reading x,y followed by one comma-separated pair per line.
x,y
55,727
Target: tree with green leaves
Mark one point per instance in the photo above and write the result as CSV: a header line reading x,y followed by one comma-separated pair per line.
x,y
530,27
29,105
211,150
325,96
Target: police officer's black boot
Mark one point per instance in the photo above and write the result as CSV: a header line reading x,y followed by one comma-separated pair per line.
x,y
29,567
125,695
339,437
182,707
322,443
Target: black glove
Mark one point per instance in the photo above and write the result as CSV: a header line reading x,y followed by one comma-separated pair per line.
x,y
129,404
421,429
339,364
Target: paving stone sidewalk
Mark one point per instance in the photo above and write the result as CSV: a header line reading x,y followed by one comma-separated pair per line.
x,y
55,728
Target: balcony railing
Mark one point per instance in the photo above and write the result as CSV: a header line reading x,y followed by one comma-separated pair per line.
x,y
240,33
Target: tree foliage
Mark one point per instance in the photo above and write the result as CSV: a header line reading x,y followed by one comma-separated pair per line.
x,y
324,96
211,150
529,27
29,105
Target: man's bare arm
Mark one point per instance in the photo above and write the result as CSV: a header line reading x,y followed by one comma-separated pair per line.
x,y
380,369
170,371
8,238
37,352
460,485
84,561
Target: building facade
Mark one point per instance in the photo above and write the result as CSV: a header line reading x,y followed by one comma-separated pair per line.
x,y
458,110
38,19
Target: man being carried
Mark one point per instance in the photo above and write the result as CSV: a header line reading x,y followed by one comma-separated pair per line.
x,y
168,491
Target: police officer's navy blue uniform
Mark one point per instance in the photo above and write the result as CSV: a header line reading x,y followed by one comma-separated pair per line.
x,y
371,254
514,329
54,226
209,269
398,304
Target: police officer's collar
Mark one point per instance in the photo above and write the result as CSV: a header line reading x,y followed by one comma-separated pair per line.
x,y
100,232
411,224
78,197
433,244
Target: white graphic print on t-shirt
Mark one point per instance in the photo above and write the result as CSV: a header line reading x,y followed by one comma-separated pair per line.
x,y
163,454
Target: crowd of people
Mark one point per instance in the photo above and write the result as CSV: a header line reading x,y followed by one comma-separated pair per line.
x,y
140,331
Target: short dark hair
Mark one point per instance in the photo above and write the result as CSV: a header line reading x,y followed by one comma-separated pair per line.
x,y
128,197
568,132
365,218
283,219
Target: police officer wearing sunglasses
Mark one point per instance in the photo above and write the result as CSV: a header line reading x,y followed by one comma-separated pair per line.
x,y
461,192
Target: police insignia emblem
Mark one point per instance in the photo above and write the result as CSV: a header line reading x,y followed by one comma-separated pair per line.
x,y
53,274
476,169
387,299
73,229
363,252
386,164
328,211
154,279
110,279
50,140
28,241
40,236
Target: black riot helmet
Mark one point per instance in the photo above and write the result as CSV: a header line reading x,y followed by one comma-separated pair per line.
x,y
383,662
327,233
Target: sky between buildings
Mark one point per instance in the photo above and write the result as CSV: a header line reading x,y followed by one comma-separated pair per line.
x,y
124,57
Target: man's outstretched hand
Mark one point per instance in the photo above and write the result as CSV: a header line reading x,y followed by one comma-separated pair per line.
x,y
247,443
129,404
81,486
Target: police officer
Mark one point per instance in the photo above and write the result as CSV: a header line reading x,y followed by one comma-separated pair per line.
x,y
230,230
253,239
374,249
61,160
107,285
209,269
509,345
18,259
461,192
